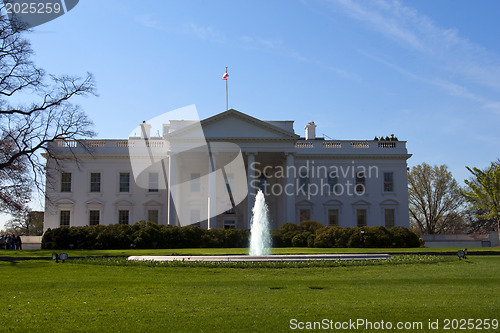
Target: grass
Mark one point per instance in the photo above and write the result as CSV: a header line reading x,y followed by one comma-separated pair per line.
x,y
288,250
42,296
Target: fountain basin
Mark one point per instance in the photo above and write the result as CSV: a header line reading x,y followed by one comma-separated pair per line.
x,y
265,258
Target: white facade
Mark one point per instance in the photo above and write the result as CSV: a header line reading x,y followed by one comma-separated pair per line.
x,y
336,182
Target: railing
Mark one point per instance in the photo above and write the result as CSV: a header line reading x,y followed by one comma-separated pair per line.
x,y
124,144
304,145
67,144
387,144
360,144
330,144
155,144
108,143
343,145
95,143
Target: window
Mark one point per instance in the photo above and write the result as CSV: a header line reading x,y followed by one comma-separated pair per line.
x,y
361,217
229,224
333,179
195,182
153,182
153,215
94,216
305,215
360,182
64,218
123,216
66,182
389,218
124,182
333,217
304,182
388,182
95,182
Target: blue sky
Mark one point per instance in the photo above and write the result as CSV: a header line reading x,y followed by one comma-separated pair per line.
x,y
426,70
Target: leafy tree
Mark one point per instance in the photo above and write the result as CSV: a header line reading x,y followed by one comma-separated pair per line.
x,y
44,114
483,193
27,223
434,199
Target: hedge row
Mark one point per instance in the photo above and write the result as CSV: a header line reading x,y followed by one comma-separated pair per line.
x,y
314,234
145,235
142,235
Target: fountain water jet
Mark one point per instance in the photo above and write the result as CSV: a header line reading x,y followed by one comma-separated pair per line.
x,y
260,237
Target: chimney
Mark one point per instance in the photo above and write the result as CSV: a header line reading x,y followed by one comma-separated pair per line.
x,y
145,130
310,131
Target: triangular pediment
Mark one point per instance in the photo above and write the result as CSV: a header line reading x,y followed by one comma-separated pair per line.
x,y
94,202
233,124
361,203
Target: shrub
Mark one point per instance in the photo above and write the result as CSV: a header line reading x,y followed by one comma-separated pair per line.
x,y
300,239
327,236
142,235
402,237
283,236
147,235
311,226
377,237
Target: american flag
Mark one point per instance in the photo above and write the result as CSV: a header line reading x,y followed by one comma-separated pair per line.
x,y
225,76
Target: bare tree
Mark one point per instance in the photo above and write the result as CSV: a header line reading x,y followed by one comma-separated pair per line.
x,y
27,128
434,200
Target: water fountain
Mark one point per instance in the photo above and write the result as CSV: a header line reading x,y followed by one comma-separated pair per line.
x,y
260,245
260,237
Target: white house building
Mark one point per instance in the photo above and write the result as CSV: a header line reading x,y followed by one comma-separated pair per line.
x,y
336,182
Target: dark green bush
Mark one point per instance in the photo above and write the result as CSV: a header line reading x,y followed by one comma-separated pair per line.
x,y
142,235
311,226
403,237
147,235
327,236
283,236
314,234
300,240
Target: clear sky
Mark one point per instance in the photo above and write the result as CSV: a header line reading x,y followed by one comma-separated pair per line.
x,y
426,70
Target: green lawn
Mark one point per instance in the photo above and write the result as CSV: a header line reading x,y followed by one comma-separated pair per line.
x,y
42,296
288,250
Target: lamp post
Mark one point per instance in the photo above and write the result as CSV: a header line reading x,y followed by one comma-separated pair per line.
x,y
362,238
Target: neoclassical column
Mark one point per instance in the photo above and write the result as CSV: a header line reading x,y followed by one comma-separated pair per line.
x,y
290,188
212,193
251,189
171,214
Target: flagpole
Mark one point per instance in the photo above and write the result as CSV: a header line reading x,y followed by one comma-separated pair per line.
x,y
227,104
